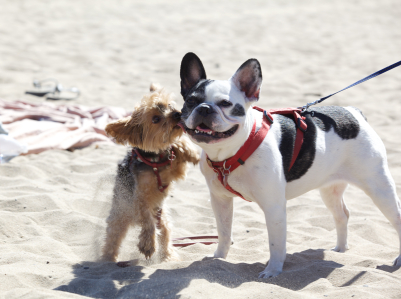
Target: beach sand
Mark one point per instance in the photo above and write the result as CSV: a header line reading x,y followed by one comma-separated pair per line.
x,y
53,205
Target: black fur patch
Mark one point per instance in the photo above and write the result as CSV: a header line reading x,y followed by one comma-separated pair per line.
x,y
238,110
129,168
345,126
340,119
124,175
194,97
308,150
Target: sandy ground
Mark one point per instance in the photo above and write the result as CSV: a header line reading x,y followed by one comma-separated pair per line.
x,y
54,205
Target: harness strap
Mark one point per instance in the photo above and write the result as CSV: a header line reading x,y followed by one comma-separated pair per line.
x,y
224,168
299,139
156,166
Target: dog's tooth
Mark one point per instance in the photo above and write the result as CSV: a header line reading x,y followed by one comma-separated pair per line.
x,y
210,132
196,131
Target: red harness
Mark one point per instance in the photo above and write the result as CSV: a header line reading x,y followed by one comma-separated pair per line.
x,y
155,165
224,168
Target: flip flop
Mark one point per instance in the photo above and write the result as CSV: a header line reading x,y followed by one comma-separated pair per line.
x,y
53,90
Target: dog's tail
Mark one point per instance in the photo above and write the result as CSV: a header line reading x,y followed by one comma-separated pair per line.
x,y
360,111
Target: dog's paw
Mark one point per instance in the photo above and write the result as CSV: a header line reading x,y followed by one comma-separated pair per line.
x,y
108,258
397,261
341,249
170,255
147,245
208,257
173,257
215,255
147,251
269,273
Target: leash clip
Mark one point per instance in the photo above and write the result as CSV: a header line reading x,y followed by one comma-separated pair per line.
x,y
171,156
304,108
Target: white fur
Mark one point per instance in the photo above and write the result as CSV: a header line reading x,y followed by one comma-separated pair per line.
x,y
361,161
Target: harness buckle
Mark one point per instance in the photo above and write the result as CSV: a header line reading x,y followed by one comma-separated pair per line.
x,y
225,172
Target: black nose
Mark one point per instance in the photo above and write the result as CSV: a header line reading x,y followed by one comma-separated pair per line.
x,y
177,115
205,109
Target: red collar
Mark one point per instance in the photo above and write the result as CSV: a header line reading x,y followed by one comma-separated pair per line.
x,y
155,165
224,168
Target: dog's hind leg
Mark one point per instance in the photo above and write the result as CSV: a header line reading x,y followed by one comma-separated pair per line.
x,y
380,187
117,227
164,238
333,199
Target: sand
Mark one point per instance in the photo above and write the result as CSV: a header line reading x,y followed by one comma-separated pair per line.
x,y
53,205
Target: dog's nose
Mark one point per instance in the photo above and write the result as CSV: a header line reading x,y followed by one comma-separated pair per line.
x,y
177,115
205,109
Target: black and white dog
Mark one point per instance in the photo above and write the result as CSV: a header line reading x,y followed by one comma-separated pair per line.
x,y
339,148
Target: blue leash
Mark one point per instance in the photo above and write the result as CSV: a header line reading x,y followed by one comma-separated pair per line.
x,y
386,69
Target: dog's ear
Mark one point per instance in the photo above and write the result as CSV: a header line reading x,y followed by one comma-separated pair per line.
x,y
125,131
248,79
154,86
191,72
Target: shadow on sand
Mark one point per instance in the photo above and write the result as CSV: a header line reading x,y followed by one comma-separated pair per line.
x,y
106,280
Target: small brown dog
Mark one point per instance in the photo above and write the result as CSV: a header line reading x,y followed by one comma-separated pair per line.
x,y
159,156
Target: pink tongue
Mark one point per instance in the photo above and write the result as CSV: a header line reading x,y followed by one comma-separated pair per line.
x,y
182,127
203,130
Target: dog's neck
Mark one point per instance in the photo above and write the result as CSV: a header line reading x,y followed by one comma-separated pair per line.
x,y
223,150
154,157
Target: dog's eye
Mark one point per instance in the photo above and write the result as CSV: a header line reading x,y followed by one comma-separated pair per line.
x,y
225,103
190,101
155,119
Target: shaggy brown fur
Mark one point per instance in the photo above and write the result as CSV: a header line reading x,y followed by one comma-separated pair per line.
x,y
152,128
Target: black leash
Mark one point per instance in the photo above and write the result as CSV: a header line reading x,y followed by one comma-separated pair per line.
x,y
386,69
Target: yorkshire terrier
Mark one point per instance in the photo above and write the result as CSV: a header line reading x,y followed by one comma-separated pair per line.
x,y
158,157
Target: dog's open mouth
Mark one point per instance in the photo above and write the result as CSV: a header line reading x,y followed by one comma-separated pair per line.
x,y
203,130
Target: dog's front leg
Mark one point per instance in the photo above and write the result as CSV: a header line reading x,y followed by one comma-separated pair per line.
x,y
223,212
147,237
276,222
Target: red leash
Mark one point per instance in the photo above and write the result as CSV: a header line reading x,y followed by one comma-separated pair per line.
x,y
194,238
224,168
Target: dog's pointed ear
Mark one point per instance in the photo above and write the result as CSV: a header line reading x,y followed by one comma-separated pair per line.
x,y
248,78
125,131
191,72
154,87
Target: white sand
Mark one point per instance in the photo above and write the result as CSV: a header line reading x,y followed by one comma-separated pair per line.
x,y
54,205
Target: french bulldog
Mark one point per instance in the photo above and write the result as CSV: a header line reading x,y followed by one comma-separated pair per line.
x,y
339,148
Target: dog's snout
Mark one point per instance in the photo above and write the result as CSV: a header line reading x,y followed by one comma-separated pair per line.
x,y
205,109
177,115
